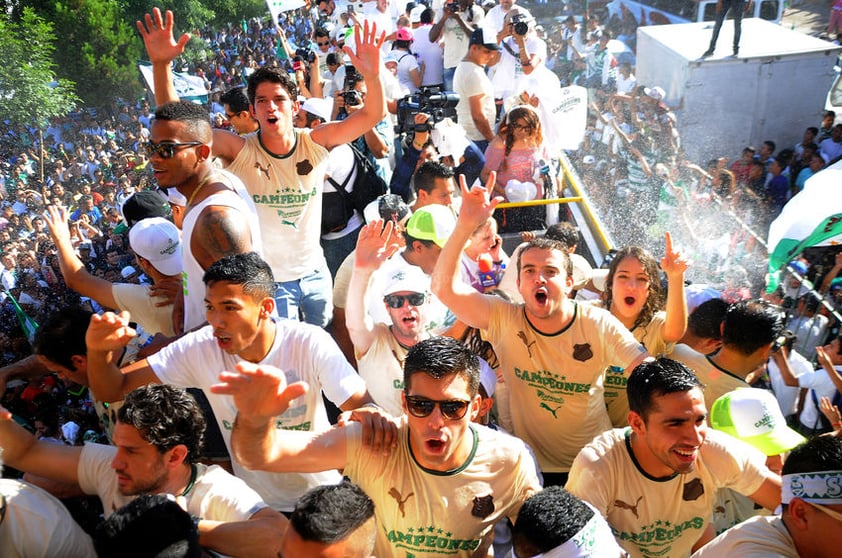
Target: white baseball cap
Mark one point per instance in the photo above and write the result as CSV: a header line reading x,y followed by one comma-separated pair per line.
x,y
157,240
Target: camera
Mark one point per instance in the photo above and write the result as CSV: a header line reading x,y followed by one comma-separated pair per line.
x,y
432,100
352,76
520,24
452,7
305,54
352,98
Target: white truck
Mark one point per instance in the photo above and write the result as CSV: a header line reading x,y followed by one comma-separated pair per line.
x,y
773,90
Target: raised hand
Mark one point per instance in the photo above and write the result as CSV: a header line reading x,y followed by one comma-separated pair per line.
x,y
477,203
109,332
366,58
58,221
158,38
260,391
375,245
673,263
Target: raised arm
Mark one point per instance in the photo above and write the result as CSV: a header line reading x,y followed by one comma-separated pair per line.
x,y
259,535
374,246
24,452
674,265
260,394
162,48
72,269
469,305
367,62
823,359
105,339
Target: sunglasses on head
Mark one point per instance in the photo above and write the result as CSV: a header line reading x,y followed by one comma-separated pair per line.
x,y
396,301
451,409
166,149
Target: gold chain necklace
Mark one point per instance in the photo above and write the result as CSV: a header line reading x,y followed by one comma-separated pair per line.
x,y
196,191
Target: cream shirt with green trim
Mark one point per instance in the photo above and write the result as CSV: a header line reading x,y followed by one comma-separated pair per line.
x,y
556,381
428,513
661,517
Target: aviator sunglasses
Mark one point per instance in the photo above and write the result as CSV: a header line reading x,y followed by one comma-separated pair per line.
x,y
166,149
451,409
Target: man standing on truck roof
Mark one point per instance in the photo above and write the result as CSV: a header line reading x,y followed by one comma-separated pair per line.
x,y
737,9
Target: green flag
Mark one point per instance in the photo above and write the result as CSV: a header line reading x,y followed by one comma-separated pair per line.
x,y
27,324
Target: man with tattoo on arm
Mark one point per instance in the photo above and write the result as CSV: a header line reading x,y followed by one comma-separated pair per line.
x,y
217,221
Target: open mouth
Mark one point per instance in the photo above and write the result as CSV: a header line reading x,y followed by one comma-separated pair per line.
x,y
629,300
272,119
686,455
541,296
435,446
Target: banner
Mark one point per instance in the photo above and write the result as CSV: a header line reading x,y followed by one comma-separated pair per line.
x,y
187,87
812,218
278,6
563,110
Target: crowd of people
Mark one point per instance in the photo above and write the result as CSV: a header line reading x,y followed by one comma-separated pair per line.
x,y
154,247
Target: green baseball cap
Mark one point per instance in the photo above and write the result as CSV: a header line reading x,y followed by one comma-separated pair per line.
x,y
754,416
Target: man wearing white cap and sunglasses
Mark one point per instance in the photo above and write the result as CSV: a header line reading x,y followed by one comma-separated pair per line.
x,y
810,524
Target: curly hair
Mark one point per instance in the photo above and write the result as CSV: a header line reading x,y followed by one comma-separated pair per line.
x,y
655,298
165,416
529,115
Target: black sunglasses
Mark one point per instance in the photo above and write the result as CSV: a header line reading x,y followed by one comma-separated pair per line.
x,y
166,149
396,301
451,409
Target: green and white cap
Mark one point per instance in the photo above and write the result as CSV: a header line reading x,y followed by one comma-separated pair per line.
x,y
753,416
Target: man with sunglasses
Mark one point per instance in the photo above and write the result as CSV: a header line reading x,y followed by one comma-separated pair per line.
x,y
381,348
440,489
235,103
218,221
282,167
810,523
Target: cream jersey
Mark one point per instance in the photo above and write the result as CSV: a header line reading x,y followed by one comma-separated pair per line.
x,y
616,377
305,353
717,381
421,512
382,369
658,517
215,495
142,308
556,381
758,537
192,271
286,189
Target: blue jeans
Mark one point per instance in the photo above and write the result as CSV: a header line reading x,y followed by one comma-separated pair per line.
x,y
337,250
309,299
447,75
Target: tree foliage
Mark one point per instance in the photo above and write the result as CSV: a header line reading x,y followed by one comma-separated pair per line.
x,y
29,91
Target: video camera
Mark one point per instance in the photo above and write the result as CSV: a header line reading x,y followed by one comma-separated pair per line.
x,y
430,100
349,93
306,55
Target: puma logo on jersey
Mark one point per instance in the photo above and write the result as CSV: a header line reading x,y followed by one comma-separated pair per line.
x,y
522,336
393,492
632,508
261,168
547,407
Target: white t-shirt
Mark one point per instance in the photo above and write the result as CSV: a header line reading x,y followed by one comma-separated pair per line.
x,y
454,37
382,369
216,495
37,525
142,308
431,54
717,381
787,396
305,353
470,80
758,537
508,72
661,517
819,382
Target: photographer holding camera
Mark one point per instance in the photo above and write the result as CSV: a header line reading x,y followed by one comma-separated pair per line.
x,y
374,143
457,21
453,149
521,52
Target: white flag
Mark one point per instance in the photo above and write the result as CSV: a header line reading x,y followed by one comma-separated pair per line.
x,y
278,6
